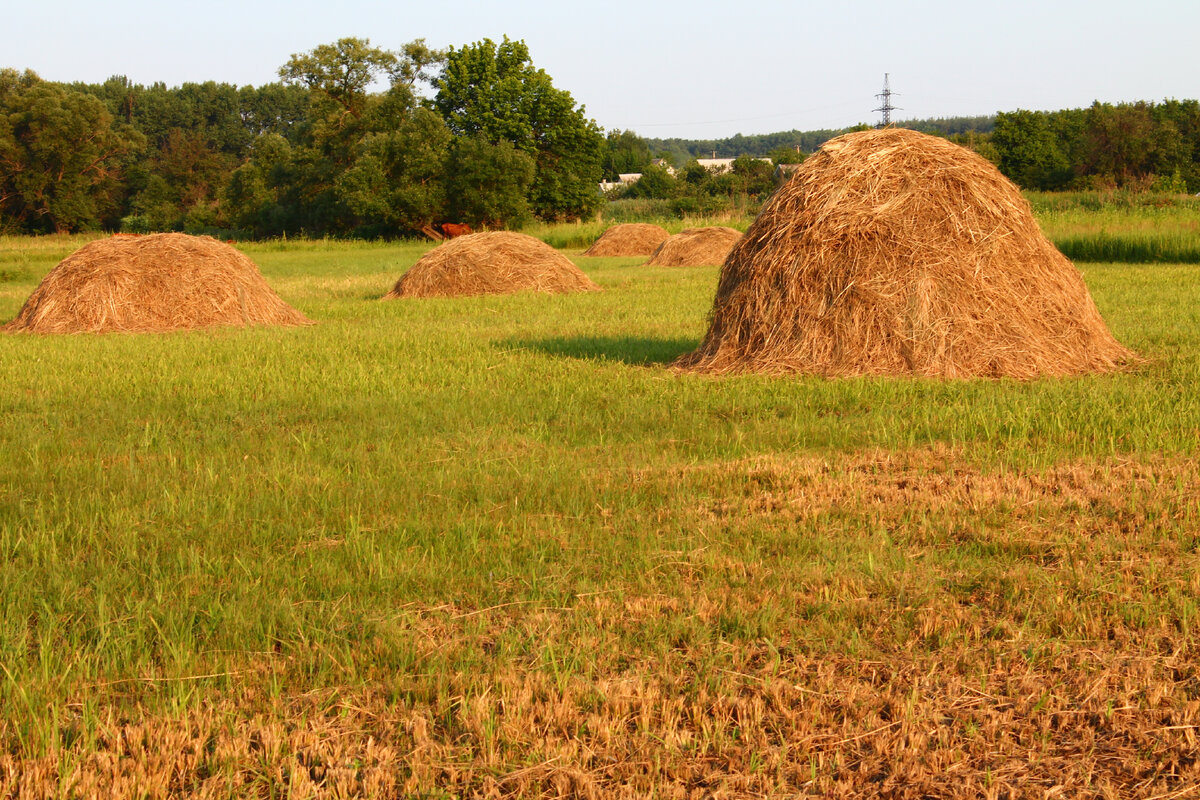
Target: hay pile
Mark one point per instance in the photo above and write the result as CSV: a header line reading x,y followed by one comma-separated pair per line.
x,y
631,239
491,263
161,282
892,252
695,247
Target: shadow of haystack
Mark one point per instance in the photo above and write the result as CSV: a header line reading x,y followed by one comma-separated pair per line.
x,y
633,350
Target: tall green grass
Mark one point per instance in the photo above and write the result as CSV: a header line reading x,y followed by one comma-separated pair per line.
x,y
1132,247
1121,227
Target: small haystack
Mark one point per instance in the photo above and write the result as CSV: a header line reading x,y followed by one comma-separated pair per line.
x,y
695,247
161,282
491,263
895,253
631,239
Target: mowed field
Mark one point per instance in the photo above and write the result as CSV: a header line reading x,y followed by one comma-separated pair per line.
x,y
496,547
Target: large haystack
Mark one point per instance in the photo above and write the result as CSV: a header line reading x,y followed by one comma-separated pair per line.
x,y
892,252
631,239
491,263
695,247
162,282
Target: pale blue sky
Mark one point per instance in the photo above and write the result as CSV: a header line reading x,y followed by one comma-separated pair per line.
x,y
695,70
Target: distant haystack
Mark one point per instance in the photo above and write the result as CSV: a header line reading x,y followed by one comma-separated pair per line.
x,y
892,252
162,282
631,239
695,247
491,263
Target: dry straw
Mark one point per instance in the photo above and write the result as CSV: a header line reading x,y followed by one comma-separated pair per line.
x,y
162,282
892,252
631,239
491,263
695,247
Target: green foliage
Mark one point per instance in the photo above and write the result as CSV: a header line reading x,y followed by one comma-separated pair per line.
x,y
61,156
656,184
1029,151
327,152
187,174
338,75
1171,184
625,152
752,177
494,92
696,191
363,164
488,183
1105,146
258,195
785,154
395,181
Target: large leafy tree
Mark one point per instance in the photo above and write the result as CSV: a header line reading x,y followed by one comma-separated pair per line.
x,y
366,162
493,92
487,183
61,156
396,181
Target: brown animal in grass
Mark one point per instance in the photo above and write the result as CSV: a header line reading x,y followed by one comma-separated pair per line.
x,y
452,229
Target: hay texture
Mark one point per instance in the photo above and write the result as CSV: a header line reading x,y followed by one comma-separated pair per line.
x,y
161,282
892,252
695,247
632,239
497,262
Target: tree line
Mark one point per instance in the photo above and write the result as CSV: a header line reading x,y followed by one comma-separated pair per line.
x,y
1138,146
355,140
474,134
780,143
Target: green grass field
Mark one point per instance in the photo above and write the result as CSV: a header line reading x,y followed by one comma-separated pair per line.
x,y
497,547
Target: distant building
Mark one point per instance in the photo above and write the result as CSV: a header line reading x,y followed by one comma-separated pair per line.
x,y
662,162
718,166
624,179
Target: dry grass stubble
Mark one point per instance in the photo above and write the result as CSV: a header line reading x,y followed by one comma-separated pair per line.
x,y
1048,684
